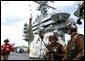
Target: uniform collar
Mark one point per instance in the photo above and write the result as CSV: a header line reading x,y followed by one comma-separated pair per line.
x,y
73,35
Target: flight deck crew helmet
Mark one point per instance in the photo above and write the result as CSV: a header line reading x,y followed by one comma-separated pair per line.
x,y
72,27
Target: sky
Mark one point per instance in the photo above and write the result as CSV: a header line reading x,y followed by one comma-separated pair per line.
x,y
15,13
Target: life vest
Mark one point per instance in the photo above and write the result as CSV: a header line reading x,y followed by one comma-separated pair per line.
x,y
72,47
5,49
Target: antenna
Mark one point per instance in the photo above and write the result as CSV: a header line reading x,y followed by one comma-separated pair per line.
x,y
30,9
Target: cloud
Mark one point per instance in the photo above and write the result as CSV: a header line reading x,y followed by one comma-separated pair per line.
x,y
14,33
59,4
81,27
64,6
16,10
9,20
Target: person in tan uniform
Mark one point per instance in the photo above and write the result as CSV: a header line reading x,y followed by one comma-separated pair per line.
x,y
56,50
75,46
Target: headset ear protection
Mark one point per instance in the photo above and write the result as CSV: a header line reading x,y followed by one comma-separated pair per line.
x,y
73,26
